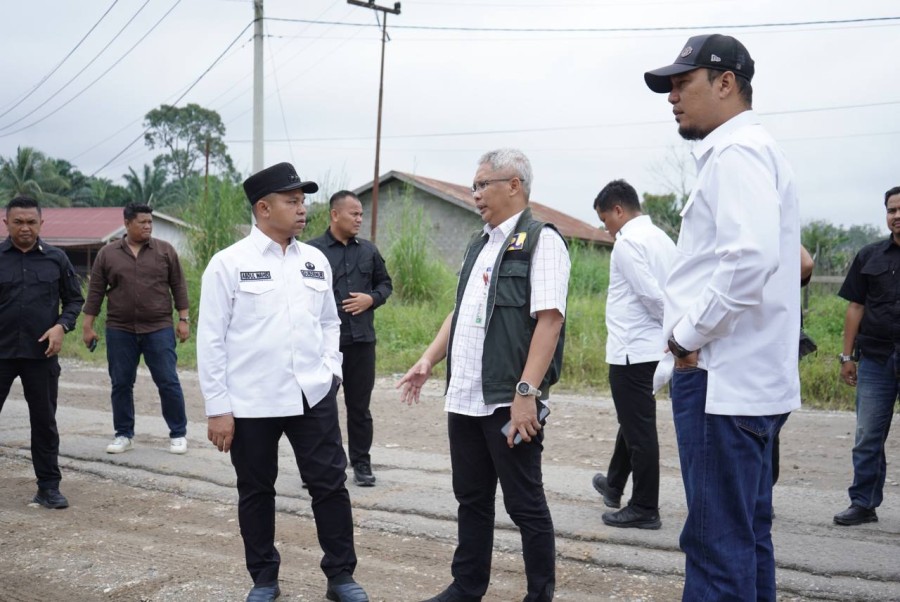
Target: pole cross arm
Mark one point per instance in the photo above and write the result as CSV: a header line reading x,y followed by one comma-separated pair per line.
x,y
371,4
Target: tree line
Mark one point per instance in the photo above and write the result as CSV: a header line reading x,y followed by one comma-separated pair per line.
x,y
185,136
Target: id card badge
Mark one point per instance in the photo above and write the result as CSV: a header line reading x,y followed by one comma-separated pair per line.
x,y
481,311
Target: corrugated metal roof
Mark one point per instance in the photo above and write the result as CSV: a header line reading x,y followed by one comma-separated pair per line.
x,y
569,227
81,224
76,226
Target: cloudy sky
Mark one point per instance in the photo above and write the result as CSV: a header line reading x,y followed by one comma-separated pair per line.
x,y
560,80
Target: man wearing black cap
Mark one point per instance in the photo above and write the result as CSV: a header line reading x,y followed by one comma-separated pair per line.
x,y
269,364
731,317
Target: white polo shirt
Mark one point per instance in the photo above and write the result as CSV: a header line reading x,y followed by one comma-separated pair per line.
x,y
549,287
638,268
734,288
268,331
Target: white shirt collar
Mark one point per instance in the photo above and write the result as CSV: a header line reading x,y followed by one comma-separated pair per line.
x,y
740,120
633,224
263,242
506,227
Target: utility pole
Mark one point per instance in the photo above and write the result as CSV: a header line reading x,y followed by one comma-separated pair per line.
x,y
394,11
258,135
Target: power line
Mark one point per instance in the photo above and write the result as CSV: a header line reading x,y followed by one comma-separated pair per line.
x,y
600,29
60,64
99,77
185,93
83,69
566,127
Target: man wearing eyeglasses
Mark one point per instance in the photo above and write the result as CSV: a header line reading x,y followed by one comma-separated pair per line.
x,y
503,343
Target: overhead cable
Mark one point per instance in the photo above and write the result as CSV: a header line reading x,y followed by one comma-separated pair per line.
x,y
60,64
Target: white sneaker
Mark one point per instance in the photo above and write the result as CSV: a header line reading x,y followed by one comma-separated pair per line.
x,y
119,445
178,445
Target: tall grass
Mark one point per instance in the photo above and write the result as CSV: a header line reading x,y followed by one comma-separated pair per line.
x,y
217,218
424,295
418,276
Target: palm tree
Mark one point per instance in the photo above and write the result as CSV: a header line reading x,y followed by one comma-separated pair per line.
x,y
147,190
31,173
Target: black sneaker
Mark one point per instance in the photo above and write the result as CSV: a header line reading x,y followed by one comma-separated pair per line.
x,y
362,474
50,498
631,517
855,515
612,497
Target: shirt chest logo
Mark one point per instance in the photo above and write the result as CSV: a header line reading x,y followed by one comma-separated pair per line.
x,y
253,276
312,272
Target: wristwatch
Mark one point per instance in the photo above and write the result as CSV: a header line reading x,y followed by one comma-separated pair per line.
x,y
677,350
186,320
845,358
526,390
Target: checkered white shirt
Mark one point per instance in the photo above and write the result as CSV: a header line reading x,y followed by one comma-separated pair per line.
x,y
549,286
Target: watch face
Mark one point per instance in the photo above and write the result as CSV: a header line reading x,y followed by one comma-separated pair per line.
x,y
522,388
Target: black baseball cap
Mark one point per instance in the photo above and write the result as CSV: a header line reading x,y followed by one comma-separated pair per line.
x,y
281,177
711,51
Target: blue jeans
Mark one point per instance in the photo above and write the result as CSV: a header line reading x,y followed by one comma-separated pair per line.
x,y
123,353
726,466
876,394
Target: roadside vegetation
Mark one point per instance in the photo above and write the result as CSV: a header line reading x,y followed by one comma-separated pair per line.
x,y
424,295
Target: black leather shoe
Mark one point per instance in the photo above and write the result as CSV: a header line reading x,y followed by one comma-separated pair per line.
x,y
855,515
346,592
362,474
50,498
450,595
612,497
264,594
633,517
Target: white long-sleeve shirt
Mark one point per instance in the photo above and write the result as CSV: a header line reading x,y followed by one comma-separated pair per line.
x,y
734,288
268,331
638,268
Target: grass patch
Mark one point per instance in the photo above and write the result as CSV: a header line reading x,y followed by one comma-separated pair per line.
x,y
406,327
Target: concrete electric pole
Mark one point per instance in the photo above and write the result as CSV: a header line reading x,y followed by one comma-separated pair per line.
x,y
258,134
394,11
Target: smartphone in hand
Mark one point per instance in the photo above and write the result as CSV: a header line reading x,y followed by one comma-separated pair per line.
x,y
93,345
542,418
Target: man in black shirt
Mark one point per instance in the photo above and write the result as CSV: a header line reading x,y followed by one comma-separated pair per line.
x,y
34,278
361,285
872,335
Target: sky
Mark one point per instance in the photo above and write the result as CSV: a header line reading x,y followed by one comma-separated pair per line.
x,y
562,81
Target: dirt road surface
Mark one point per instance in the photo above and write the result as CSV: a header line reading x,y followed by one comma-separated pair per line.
x,y
150,526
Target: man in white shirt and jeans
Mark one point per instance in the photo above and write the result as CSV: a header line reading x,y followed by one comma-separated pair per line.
x,y
731,320
638,268
269,365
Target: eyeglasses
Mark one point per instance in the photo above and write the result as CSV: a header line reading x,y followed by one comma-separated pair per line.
x,y
481,185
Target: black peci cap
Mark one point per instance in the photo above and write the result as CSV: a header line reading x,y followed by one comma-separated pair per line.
x,y
281,177
711,51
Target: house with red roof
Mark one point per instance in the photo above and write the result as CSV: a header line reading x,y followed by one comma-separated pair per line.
x,y
82,231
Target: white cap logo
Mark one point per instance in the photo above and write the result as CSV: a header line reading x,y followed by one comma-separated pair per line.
x,y
714,59
686,52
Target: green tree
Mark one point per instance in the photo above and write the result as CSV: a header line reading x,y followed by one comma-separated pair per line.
x,y
184,134
31,173
665,211
104,193
148,189
216,219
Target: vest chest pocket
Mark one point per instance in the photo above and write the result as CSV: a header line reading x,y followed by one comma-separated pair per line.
x,y
512,284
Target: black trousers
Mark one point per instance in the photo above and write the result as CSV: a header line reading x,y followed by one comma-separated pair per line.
x,y
316,439
479,457
637,444
40,382
359,379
